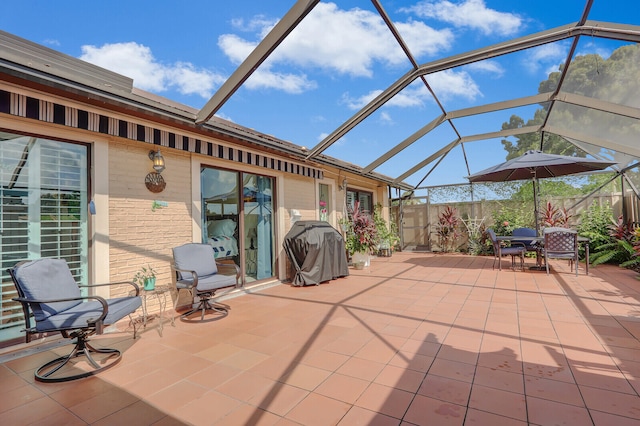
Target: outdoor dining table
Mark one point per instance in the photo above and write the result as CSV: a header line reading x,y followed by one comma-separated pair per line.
x,y
540,242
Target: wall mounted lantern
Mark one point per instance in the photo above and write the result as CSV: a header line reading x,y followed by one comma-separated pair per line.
x,y
154,181
158,160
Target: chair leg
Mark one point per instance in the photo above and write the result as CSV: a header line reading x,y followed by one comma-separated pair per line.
x,y
46,373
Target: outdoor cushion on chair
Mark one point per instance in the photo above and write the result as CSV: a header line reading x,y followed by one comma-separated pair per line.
x,y
47,288
195,269
499,251
530,244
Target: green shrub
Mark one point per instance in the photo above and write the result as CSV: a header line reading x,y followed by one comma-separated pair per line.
x,y
595,223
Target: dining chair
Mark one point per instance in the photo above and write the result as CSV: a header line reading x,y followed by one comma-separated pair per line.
x,y
561,243
514,250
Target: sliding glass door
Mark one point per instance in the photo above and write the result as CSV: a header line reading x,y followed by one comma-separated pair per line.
x,y
258,224
238,220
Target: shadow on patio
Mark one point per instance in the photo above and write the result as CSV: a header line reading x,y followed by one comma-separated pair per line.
x,y
415,339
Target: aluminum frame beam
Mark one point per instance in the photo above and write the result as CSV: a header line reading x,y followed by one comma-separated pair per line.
x,y
257,56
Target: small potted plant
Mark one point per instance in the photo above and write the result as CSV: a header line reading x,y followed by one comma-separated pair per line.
x,y
146,278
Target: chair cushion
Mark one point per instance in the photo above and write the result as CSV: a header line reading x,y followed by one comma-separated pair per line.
x,y
531,244
512,250
80,315
195,257
216,281
47,279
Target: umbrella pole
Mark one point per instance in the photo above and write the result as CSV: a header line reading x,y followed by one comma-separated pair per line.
x,y
535,206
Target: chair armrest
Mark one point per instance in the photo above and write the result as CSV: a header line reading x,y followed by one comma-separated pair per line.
x,y
131,283
194,274
229,269
98,322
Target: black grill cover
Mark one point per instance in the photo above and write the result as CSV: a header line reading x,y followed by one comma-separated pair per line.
x,y
316,251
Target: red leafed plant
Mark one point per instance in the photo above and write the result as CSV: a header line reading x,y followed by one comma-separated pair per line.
x,y
553,216
448,229
362,234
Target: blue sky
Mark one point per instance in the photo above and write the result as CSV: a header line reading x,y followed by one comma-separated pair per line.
x,y
337,60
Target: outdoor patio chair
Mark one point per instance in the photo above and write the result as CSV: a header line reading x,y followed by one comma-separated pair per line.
x,y
561,243
48,291
195,269
514,250
530,244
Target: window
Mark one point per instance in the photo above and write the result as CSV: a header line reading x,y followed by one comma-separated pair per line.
x,y
365,198
324,206
43,212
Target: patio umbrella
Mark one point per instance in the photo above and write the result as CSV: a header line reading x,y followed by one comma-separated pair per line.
x,y
535,165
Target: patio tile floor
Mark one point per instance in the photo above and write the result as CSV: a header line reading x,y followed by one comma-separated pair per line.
x,y
416,339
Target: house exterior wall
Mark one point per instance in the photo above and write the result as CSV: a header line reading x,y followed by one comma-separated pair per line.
x,y
126,233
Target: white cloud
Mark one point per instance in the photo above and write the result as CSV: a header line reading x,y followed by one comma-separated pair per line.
x,y
472,14
385,118
445,84
137,62
489,66
347,42
546,56
287,82
449,83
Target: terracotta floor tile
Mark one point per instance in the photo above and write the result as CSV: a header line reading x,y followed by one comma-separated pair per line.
x,y
361,368
273,367
415,338
245,385
33,411
453,369
248,415
400,378
607,419
213,376
133,414
279,399
318,410
428,411
358,416
206,409
103,405
502,403
412,361
457,354
175,396
611,402
305,377
482,418
412,346
553,390
18,396
544,411
380,350
383,399
446,389
342,388
505,380
330,361
344,346
244,359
